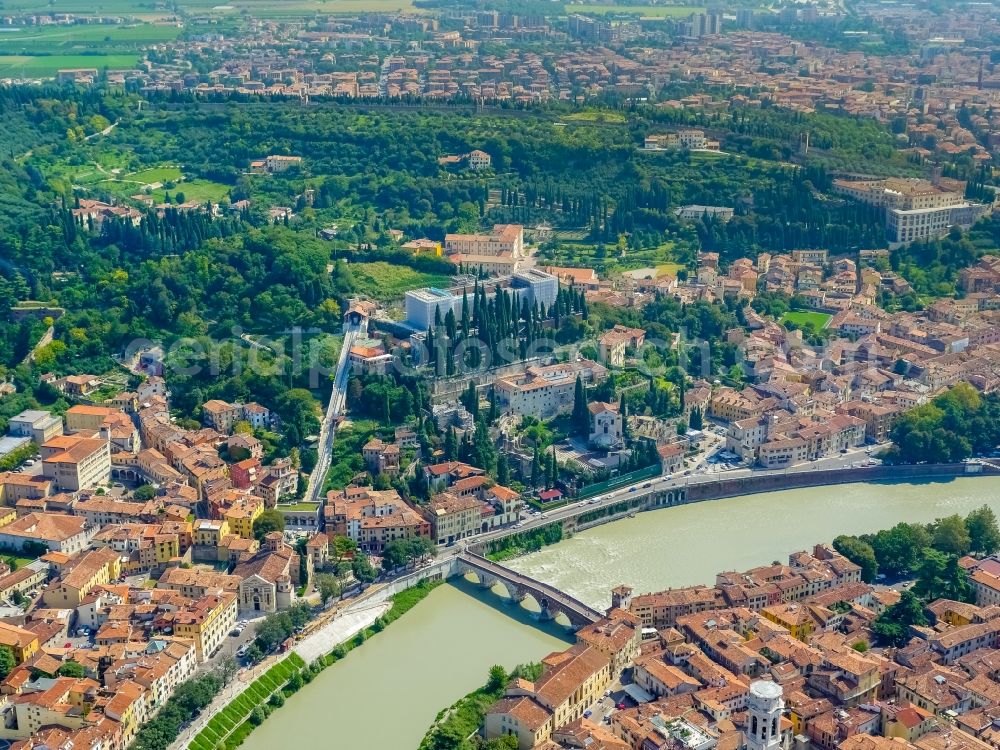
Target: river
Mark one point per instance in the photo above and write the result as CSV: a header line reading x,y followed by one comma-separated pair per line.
x,y
385,694
689,544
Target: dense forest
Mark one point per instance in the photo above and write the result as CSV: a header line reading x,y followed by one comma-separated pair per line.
x,y
952,427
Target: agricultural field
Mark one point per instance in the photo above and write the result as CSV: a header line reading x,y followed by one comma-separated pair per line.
x,y
668,269
803,319
155,9
71,39
646,11
382,280
45,66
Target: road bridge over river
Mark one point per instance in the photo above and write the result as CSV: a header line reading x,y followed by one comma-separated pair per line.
x,y
551,601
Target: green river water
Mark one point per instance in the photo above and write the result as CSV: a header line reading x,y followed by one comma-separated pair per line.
x,y
384,695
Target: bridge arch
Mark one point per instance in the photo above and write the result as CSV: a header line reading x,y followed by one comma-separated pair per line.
x,y
549,602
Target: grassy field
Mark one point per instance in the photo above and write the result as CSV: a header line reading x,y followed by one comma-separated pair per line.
x,y
670,269
43,66
583,255
815,320
155,174
596,116
382,280
646,11
196,190
133,183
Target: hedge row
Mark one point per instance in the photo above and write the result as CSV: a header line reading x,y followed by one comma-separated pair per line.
x,y
232,716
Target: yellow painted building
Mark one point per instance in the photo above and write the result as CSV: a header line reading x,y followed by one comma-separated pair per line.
x,y
796,618
94,568
23,643
128,707
207,622
209,532
241,517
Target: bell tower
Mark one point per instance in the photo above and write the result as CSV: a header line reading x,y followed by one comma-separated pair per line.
x,y
764,720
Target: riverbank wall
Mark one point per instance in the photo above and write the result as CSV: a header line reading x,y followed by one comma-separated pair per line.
x,y
794,480
586,516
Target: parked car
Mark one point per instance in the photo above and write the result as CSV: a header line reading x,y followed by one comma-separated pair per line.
x,y
242,650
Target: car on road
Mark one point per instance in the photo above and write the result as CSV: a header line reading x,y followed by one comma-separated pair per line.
x,y
587,714
235,632
631,489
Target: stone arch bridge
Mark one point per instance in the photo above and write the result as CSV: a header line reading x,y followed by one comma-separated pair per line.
x,y
551,600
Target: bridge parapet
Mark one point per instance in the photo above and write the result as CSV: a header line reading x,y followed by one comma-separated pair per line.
x,y
551,601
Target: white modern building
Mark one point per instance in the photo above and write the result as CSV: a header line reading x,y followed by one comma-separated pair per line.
x,y
534,285
541,288
422,306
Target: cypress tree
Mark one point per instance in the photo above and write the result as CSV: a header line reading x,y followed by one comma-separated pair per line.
x,y
503,470
581,414
494,414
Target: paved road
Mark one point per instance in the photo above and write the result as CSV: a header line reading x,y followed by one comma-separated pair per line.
x,y
855,457
342,626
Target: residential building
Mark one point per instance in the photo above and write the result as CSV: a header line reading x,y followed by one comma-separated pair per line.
x,y
453,518
613,343
60,533
220,415
85,417
373,518
571,681
546,390
22,643
207,622
506,239
94,568
76,463
40,426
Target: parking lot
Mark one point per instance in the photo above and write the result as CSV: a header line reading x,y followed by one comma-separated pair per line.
x,y
614,699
